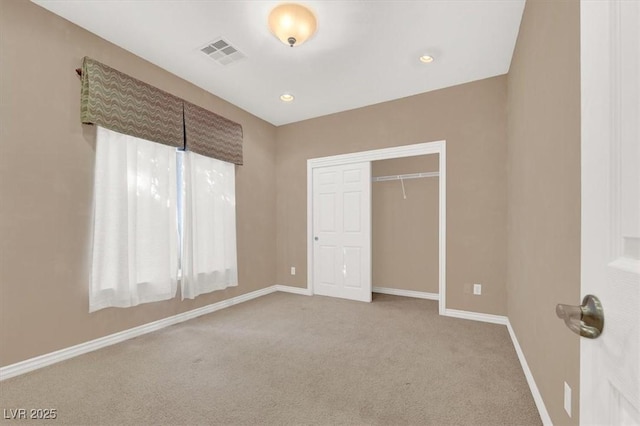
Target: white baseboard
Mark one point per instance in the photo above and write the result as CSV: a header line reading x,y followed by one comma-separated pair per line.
x,y
83,348
476,316
499,319
295,290
537,397
406,293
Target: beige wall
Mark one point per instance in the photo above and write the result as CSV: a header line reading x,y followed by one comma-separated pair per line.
x,y
472,119
46,178
46,174
405,231
544,195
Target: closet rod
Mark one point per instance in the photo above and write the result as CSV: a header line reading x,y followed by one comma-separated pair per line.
x,y
407,176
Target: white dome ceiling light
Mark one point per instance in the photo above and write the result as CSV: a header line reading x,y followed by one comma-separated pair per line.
x,y
292,23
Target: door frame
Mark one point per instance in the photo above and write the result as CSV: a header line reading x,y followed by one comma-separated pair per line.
x,y
438,147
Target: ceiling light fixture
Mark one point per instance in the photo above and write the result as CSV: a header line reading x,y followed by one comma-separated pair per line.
x,y
292,23
426,59
286,97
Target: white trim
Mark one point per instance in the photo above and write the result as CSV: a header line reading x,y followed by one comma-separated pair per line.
x,y
442,234
477,316
45,360
537,397
438,147
379,154
499,319
295,290
92,345
406,293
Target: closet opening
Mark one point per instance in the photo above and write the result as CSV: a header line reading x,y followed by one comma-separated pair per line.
x,y
404,224
339,208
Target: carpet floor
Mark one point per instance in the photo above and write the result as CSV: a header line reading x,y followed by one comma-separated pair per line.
x,y
286,359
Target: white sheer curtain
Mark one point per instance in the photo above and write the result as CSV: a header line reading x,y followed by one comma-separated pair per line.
x,y
209,259
135,238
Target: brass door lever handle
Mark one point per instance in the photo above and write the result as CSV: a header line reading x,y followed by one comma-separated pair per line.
x,y
586,320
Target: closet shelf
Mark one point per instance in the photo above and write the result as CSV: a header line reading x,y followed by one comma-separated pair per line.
x,y
406,176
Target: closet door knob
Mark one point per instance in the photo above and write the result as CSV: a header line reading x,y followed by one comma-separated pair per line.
x,y
315,238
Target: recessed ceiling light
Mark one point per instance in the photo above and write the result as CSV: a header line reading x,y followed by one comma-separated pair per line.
x,y
286,97
426,59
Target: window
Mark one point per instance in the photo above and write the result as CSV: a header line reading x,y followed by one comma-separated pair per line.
x,y
208,222
157,211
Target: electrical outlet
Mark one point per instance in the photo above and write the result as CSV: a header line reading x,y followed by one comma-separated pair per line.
x,y
477,289
293,270
567,398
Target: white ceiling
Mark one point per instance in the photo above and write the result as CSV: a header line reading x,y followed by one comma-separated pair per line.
x,y
364,52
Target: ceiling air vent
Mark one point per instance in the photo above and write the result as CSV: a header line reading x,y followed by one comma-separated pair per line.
x,y
222,52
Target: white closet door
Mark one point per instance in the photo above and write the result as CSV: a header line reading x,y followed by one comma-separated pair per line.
x,y
342,231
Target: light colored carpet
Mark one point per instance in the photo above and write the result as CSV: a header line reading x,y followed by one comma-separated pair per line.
x,y
288,359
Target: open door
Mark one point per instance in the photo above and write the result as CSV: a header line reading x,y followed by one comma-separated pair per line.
x,y
610,79
342,231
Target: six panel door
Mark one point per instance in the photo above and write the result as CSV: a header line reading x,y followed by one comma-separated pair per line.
x,y
342,231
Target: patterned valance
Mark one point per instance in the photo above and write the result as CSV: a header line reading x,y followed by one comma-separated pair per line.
x,y
212,135
126,105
